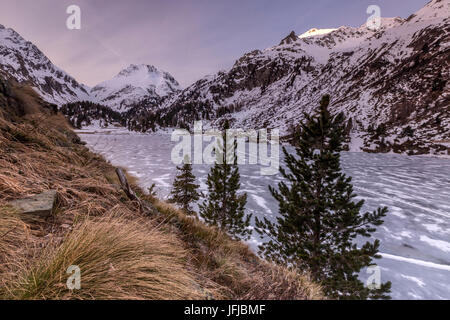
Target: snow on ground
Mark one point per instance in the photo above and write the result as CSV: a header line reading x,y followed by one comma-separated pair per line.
x,y
133,84
26,63
415,238
316,32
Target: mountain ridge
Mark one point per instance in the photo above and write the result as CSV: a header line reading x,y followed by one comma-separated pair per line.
x,y
387,82
133,84
24,62
391,83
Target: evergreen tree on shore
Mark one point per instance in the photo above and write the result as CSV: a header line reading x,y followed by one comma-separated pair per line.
x,y
318,220
224,207
184,190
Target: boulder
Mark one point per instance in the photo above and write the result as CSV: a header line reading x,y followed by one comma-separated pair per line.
x,y
41,204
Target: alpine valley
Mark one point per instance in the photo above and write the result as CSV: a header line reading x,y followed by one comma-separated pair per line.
x,y
356,208
391,83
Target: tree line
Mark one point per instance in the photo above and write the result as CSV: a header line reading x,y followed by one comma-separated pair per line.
x,y
82,113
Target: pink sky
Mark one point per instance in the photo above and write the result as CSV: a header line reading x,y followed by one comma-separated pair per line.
x,y
189,38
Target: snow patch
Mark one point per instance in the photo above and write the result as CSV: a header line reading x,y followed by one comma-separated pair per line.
x,y
316,32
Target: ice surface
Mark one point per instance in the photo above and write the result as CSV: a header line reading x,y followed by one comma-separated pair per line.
x,y
415,238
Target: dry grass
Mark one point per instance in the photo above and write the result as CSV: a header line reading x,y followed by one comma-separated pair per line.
x,y
20,236
232,265
13,231
122,255
118,259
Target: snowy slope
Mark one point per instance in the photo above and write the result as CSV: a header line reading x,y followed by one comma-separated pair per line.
x,y
24,62
134,84
316,32
392,84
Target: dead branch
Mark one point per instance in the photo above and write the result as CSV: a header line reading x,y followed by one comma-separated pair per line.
x,y
146,208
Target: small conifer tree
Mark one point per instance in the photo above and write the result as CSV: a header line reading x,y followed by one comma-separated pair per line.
x,y
184,190
224,207
318,220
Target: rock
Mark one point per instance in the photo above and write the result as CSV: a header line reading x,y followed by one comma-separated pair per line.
x,y
292,37
41,204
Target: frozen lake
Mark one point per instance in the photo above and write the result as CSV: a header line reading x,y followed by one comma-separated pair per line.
x,y
415,238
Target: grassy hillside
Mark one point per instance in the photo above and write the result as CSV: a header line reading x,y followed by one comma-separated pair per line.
x,y
122,253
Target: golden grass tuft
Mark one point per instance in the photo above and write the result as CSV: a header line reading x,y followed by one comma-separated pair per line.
x,y
13,231
18,242
119,259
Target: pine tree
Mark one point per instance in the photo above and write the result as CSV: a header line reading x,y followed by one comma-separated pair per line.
x,y
318,220
224,207
184,190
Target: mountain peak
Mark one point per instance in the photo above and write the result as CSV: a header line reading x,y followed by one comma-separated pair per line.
x,y
316,32
391,76
25,63
289,39
435,9
134,68
133,84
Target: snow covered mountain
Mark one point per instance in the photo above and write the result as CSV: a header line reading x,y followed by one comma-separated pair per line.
x,y
25,63
316,32
137,84
392,84
134,84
